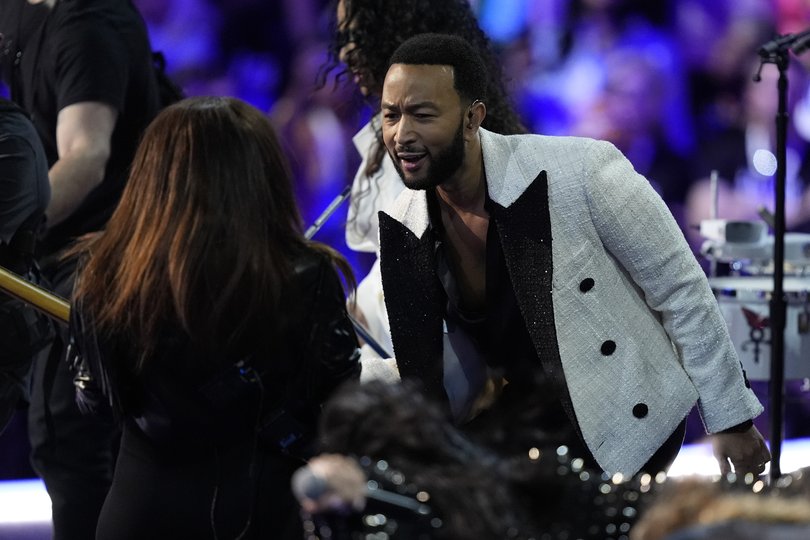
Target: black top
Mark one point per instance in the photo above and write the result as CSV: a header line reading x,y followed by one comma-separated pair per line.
x,y
24,187
82,51
190,418
529,401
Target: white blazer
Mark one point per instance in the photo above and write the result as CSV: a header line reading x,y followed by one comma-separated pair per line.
x,y
622,274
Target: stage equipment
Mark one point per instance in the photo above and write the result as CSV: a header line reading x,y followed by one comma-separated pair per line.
x,y
41,299
749,251
744,302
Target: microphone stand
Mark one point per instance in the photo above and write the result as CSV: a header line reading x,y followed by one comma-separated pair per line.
x,y
361,330
777,52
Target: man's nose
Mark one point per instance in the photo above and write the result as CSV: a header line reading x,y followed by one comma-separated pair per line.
x,y
405,133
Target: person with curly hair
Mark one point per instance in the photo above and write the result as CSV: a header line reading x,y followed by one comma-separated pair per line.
x,y
391,451
366,33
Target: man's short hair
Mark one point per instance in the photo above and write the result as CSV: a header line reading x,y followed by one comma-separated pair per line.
x,y
469,73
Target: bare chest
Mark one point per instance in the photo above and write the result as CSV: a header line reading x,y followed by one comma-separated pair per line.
x,y
465,237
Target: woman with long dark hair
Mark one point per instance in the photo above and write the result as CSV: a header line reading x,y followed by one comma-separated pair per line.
x,y
212,327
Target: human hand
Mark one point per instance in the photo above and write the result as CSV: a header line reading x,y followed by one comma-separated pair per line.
x,y
330,482
746,451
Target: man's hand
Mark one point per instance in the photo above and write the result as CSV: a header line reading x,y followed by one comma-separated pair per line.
x,y
746,451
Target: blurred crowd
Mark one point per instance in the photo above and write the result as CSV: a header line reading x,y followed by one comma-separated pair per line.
x,y
670,83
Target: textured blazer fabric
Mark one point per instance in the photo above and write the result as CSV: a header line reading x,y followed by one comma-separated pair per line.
x,y
639,332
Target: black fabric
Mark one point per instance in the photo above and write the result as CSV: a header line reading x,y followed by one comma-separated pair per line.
x,y
23,333
187,450
77,51
415,307
24,194
73,453
24,187
85,51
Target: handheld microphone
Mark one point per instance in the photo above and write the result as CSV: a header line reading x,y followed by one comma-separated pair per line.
x,y
306,484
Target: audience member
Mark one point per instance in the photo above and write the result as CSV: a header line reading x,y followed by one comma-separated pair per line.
x,y
701,509
391,452
743,154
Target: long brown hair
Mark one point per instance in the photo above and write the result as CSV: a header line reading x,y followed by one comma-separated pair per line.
x,y
204,235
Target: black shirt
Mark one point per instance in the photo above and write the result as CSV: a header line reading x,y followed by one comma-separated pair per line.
x,y
82,51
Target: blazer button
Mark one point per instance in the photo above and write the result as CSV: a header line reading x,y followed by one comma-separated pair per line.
x,y
640,410
608,347
586,284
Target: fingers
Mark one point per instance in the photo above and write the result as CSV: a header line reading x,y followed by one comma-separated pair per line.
x,y
754,462
725,465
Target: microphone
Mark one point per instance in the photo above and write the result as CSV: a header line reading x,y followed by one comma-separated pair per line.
x,y
307,484
799,43
326,214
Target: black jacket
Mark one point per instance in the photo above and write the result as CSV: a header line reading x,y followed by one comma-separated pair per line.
x,y
184,396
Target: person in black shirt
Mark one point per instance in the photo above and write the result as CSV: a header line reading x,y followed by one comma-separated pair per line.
x,y
24,193
83,70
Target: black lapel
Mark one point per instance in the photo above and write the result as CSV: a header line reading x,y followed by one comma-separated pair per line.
x,y
525,232
414,300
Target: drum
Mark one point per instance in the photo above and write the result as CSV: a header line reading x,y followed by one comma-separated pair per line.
x,y
744,302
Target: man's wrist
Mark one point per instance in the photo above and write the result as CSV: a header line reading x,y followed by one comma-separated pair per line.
x,y
739,428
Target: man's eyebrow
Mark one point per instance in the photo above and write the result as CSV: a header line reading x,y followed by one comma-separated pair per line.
x,y
411,106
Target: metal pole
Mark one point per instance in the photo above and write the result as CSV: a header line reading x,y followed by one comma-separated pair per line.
x,y
45,301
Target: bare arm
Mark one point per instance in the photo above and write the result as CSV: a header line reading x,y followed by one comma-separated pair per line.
x,y
83,139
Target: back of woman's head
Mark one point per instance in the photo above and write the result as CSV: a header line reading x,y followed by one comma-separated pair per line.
x,y
204,233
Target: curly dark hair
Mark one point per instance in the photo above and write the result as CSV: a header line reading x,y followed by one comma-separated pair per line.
x,y
395,422
378,27
478,491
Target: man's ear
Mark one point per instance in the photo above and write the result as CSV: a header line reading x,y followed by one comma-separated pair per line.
x,y
476,114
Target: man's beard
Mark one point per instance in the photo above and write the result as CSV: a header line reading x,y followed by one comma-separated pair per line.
x,y
441,168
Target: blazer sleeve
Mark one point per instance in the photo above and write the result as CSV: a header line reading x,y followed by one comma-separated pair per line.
x,y
636,228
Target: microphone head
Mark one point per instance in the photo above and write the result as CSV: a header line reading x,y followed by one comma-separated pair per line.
x,y
308,485
801,45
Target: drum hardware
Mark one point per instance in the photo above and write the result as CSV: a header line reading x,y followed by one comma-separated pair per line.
x,y
744,302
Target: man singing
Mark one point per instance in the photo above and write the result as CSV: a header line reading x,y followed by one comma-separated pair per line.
x,y
549,264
